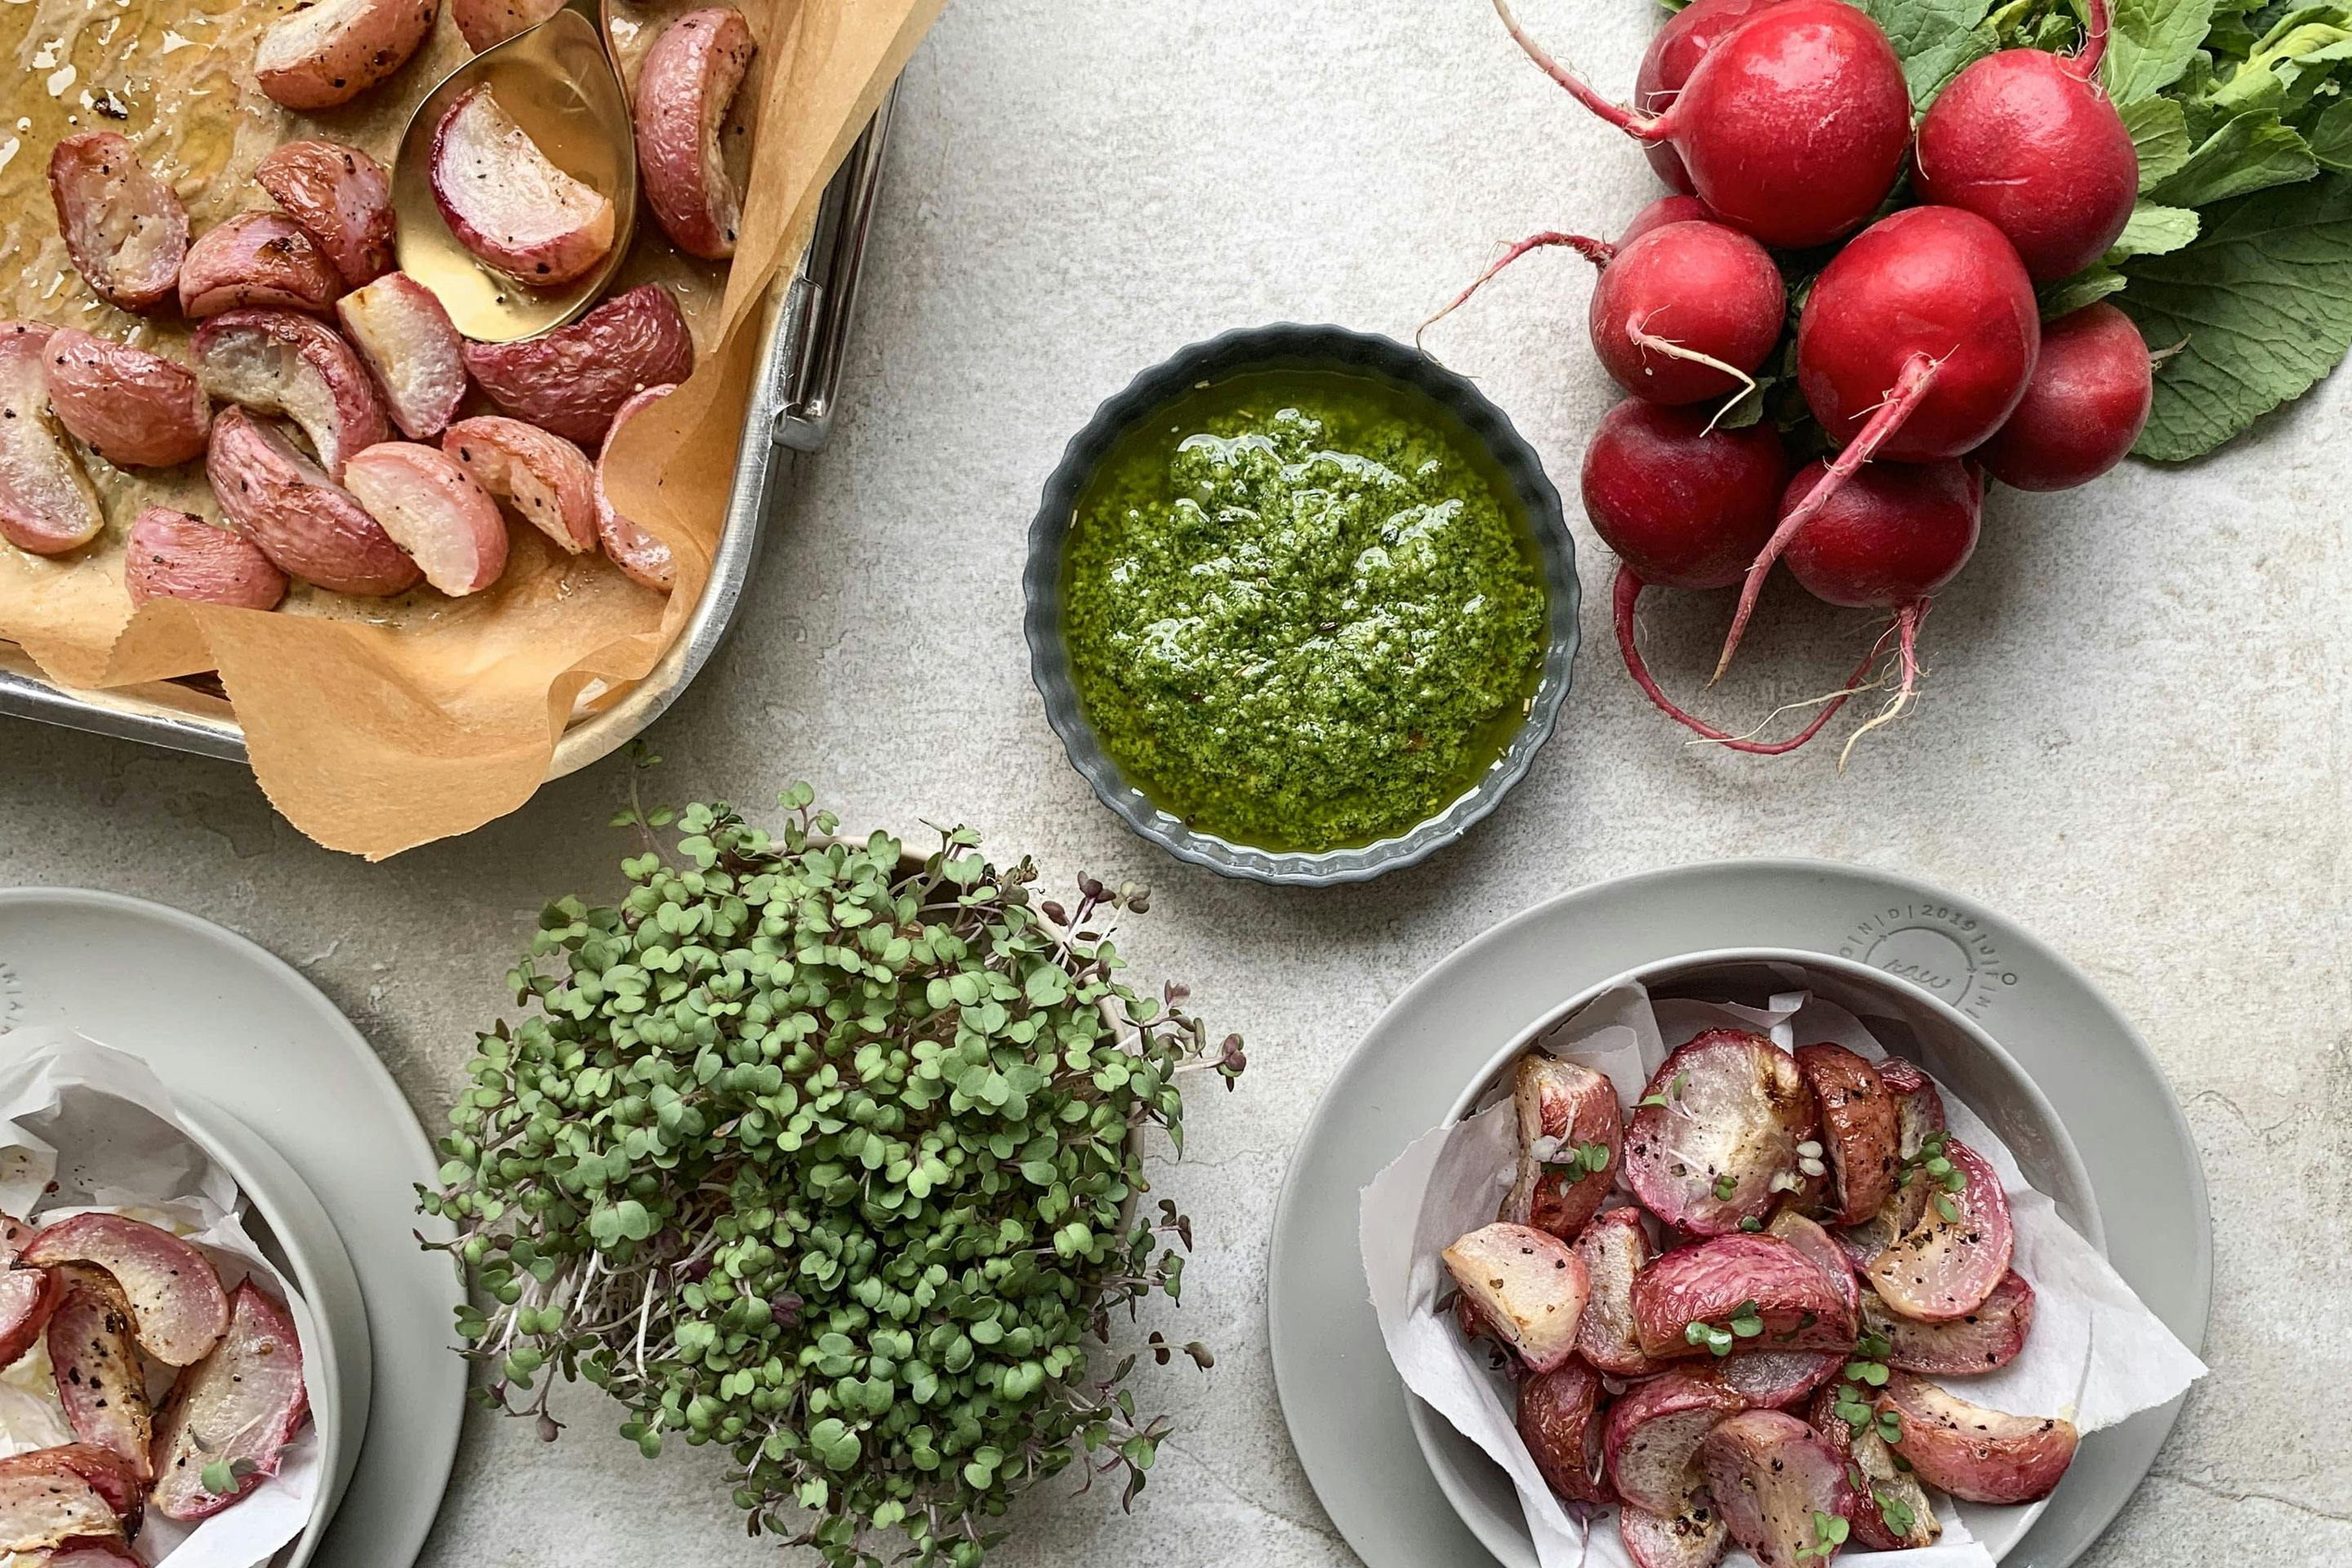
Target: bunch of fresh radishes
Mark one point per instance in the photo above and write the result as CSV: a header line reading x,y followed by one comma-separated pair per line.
x,y
1920,350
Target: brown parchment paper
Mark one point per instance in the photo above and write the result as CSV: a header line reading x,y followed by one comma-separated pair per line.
x,y
377,725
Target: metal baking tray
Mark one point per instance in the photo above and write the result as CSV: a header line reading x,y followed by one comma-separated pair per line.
x,y
792,410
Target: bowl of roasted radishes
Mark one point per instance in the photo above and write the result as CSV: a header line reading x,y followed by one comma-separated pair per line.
x,y
1753,1255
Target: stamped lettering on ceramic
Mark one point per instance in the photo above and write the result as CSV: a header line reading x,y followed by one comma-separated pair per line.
x,y
1936,946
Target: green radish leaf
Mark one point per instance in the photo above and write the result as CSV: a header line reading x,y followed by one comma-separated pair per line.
x,y
2151,44
2154,230
2330,136
1936,39
2261,303
2069,295
2159,134
2248,153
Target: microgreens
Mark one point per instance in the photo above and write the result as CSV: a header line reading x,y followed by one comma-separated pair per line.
x,y
224,1476
1717,1341
1745,1323
1751,1225
1725,1186
1897,1513
1828,1534
1573,1161
830,1160
1674,1088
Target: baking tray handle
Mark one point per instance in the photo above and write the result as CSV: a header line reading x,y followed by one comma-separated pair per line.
x,y
823,293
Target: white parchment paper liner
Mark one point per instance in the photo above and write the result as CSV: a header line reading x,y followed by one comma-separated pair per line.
x,y
97,1123
2095,1354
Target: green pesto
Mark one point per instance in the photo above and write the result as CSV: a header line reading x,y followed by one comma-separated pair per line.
x,y
1302,609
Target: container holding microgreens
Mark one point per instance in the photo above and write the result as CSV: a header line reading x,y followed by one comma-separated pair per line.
x,y
1771,1305
828,1152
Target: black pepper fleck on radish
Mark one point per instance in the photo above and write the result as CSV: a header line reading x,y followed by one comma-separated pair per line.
x,y
1793,125
2085,405
2027,140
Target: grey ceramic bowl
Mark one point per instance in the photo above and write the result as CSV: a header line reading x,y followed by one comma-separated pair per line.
x,y
1291,346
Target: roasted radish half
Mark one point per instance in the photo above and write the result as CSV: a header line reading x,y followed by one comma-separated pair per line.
x,y
399,327
1755,1291
94,1353
1558,1418
1918,1108
40,1509
1890,1511
343,199
1950,1264
445,521
92,1551
172,555
109,1474
123,227
1694,1538
1782,1490
256,259
1713,1140
640,556
574,380
48,504
177,1306
307,525
280,361
1615,1249
505,202
1654,1432
482,23
326,52
27,1298
1816,1244
545,478
1858,1130
135,409
689,78
1774,1380
1569,1137
1527,1285
1983,1341
1975,1454
240,1405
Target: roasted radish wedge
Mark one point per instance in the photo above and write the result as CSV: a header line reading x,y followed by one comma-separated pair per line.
x,y
1918,1106
401,329
1950,1264
574,380
640,556
1734,1291
1858,1130
1774,1380
1569,1138
1713,1140
135,409
689,78
321,52
1782,1490
177,1306
1817,1246
27,1298
548,481
1693,1537
340,197
1975,1454
280,361
94,1353
109,1474
1615,1249
1890,1509
446,522
92,1551
482,23
1559,1420
256,259
47,505
1527,1285
172,555
1861,1244
41,1509
307,525
517,211
1983,1341
1654,1432
239,1406
123,227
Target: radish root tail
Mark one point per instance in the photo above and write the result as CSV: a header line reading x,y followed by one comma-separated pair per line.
x,y
1642,128
1629,595
2099,24
1647,342
1906,625
1599,252
1918,374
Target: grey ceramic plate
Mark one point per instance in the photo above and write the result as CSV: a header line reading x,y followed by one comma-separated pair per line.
x,y
1346,1408
221,1018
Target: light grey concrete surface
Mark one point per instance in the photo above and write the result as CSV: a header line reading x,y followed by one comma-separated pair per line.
x,y
2133,741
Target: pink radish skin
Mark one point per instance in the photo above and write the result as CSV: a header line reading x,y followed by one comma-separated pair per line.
x,y
2085,405
1664,211
2026,139
1916,344
1793,127
1671,57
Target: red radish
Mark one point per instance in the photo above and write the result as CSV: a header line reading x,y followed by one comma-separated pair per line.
x,y
2085,405
1671,56
2026,139
1664,211
1793,126
1681,312
1887,540
1685,507
1914,345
